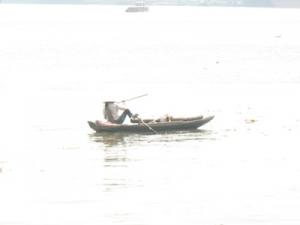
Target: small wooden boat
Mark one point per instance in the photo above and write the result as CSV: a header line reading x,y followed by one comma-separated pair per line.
x,y
177,124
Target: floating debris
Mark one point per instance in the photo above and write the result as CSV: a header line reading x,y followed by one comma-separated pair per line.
x,y
250,120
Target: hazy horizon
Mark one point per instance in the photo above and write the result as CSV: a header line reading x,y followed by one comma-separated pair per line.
x,y
251,3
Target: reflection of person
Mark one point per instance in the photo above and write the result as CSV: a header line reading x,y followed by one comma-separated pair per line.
x,y
111,112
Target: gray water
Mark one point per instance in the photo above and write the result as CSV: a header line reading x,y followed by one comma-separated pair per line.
x,y
58,63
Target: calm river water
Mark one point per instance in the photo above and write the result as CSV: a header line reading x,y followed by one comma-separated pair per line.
x,y
57,65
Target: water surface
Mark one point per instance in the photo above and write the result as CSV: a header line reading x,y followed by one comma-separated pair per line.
x,y
58,63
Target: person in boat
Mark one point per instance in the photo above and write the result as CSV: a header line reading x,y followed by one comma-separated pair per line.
x,y
111,112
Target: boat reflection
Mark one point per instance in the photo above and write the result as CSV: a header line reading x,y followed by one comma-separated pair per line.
x,y
109,139
116,158
130,139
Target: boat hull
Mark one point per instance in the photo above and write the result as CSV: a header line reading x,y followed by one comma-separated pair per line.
x,y
142,127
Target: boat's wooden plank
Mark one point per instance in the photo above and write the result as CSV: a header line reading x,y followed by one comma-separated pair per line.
x,y
171,119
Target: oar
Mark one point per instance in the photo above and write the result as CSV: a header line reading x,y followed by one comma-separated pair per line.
x,y
146,125
129,99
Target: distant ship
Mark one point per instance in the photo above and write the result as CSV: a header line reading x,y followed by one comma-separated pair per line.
x,y
139,7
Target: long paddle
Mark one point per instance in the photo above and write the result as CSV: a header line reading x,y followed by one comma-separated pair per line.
x,y
133,98
146,125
